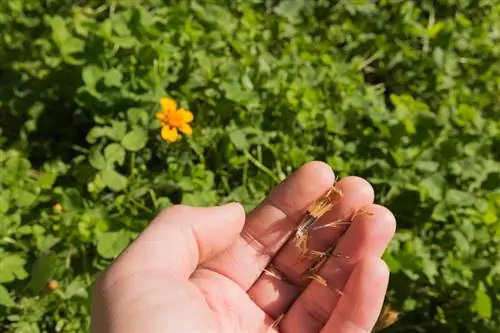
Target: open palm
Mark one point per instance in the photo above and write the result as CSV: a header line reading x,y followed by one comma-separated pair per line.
x,y
217,270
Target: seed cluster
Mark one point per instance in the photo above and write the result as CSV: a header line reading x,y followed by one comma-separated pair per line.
x,y
317,209
300,239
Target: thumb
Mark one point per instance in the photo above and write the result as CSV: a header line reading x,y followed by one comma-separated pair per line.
x,y
180,238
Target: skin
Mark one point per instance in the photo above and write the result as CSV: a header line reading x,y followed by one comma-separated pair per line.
x,y
201,269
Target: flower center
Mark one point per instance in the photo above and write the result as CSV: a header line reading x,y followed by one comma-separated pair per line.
x,y
174,119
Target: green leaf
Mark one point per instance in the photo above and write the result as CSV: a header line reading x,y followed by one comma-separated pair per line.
x,y
125,42
91,75
117,130
27,327
438,56
135,139
114,153
433,187
70,199
334,122
5,298
17,168
62,36
410,304
47,180
23,198
427,166
247,83
482,304
111,244
239,139
113,78
114,180
440,212
95,133
200,199
490,215
12,267
47,242
162,203
76,288
42,272
459,198
96,159
137,116
433,30
4,202
72,45
392,263
289,8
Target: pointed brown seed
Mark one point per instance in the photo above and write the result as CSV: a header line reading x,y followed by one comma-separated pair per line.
x,y
315,211
273,274
318,278
360,211
278,320
300,241
333,224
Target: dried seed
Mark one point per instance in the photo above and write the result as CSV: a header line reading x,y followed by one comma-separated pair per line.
x,y
272,274
333,224
360,211
340,292
324,203
313,214
319,279
277,321
300,241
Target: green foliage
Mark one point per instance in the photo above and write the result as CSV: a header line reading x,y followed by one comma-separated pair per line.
x,y
404,93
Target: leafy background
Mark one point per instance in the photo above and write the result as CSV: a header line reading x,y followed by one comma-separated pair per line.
x,y
404,93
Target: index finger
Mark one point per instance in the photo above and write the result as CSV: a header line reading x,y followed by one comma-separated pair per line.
x,y
269,226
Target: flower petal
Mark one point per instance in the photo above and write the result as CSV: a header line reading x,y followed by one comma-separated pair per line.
x,y
160,116
169,133
168,105
186,115
186,129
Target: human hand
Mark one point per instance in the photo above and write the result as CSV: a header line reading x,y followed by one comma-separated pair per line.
x,y
204,269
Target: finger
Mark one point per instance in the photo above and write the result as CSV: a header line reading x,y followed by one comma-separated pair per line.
x,y
178,239
271,224
368,236
275,295
358,310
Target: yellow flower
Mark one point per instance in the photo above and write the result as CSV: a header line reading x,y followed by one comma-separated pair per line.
x,y
52,285
57,207
173,120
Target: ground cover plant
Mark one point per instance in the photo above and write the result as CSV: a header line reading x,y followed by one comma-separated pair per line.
x,y
404,93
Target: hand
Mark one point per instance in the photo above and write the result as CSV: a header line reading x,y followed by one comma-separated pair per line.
x,y
201,269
